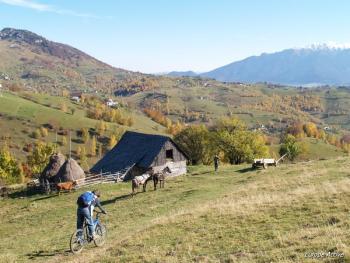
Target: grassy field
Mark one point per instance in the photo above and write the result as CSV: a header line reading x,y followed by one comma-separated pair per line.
x,y
21,116
236,215
314,150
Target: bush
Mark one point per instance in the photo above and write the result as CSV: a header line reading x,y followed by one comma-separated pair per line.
x,y
290,147
44,132
36,134
10,170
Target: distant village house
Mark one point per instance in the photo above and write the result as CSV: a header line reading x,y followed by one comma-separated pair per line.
x,y
111,103
76,96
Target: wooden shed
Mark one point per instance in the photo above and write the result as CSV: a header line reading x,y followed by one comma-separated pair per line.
x,y
141,152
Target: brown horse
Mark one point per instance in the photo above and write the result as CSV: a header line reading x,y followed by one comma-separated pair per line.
x,y
158,177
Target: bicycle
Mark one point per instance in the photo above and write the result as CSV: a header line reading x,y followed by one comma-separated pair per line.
x,y
81,237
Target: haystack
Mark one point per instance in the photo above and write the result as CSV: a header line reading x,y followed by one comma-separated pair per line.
x,y
54,165
70,171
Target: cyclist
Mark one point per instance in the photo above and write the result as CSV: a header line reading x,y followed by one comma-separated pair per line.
x,y
86,204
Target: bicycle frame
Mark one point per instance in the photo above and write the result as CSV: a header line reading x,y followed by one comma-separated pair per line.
x,y
96,221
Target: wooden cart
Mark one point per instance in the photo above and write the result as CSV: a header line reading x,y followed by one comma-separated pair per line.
x,y
266,162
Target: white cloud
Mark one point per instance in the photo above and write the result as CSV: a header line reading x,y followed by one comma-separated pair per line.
x,y
46,8
27,4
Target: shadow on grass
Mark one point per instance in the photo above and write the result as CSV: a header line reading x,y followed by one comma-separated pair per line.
x,y
23,193
42,253
46,197
118,198
206,172
245,170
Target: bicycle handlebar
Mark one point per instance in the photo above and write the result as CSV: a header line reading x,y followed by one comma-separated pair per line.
x,y
98,213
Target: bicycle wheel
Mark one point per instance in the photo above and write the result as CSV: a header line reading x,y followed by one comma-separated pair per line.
x,y
77,241
101,235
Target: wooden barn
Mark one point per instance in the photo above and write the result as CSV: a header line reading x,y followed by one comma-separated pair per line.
x,y
141,152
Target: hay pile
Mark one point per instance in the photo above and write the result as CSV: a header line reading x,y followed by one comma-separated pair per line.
x,y
61,170
54,165
69,171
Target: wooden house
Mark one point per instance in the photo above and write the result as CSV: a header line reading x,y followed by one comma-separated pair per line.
x,y
142,152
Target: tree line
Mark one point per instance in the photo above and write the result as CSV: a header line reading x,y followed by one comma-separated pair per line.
x,y
229,138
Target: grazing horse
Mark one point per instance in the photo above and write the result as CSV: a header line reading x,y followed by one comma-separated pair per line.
x,y
159,177
139,180
65,186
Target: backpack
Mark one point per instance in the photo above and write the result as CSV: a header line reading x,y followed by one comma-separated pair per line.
x,y
85,199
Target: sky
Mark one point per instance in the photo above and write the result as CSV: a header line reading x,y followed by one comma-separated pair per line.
x,y
154,36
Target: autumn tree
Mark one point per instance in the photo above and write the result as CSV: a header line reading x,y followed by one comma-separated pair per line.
x,y
65,93
64,141
112,141
237,143
10,169
296,129
322,135
175,128
83,158
63,107
44,132
39,157
85,135
101,127
311,130
93,146
195,142
78,151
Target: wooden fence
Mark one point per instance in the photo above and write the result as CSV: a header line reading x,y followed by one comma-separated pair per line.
x,y
89,180
102,178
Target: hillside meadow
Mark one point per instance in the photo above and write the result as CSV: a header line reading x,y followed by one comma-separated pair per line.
x,y
234,215
20,116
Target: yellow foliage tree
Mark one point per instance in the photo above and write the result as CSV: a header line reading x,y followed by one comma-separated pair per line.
x,y
93,146
311,130
112,141
64,107
10,170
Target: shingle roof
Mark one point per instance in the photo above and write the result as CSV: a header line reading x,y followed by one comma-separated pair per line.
x,y
133,148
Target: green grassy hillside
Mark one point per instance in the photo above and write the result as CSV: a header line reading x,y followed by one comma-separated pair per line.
x,y
236,215
21,116
314,150
272,105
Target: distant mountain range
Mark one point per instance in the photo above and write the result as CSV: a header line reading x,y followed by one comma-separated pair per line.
x,y
42,64
314,65
182,74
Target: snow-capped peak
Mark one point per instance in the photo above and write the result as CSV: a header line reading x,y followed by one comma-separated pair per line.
x,y
328,45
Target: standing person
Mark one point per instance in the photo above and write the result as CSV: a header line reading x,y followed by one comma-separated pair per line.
x,y
86,204
216,162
